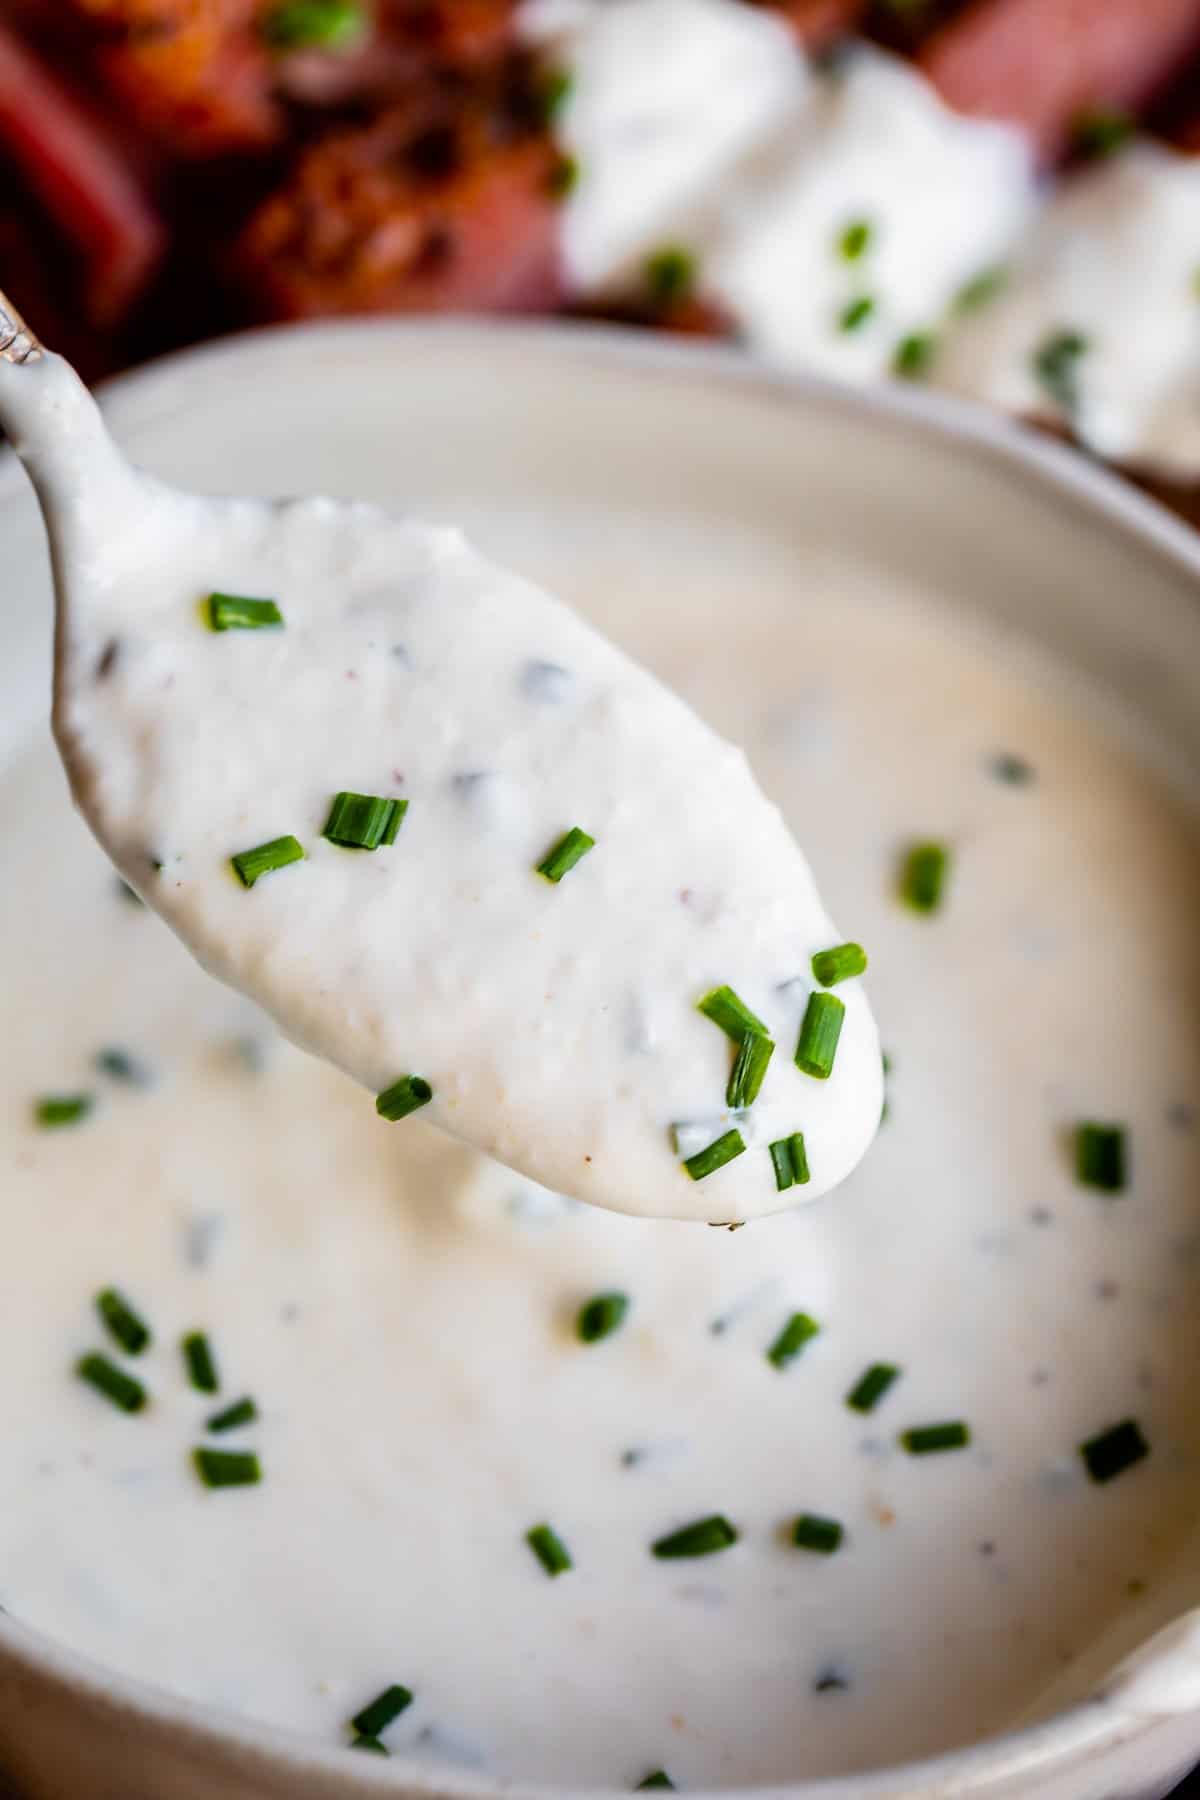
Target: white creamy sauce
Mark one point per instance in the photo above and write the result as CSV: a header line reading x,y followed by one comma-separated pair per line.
x,y
403,1311
1114,258
556,1022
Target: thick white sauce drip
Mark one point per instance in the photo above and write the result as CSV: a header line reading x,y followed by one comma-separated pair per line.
x,y
556,1024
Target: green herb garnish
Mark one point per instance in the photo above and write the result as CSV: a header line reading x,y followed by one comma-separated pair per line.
x,y
566,853
363,821
980,290
601,1316
314,25
839,964
227,1468
383,1711
201,1367
131,1332
405,1096
549,1549
749,1069
923,1440
871,1386
234,612
1102,130
241,1412
555,89
121,1066
250,864
714,1156
792,1339
53,1110
855,313
855,239
819,1034
923,873
913,356
1100,1160
734,1017
813,1532
670,274
789,1159
563,178
370,1743
1113,1451
1055,364
107,1379
657,1778
703,1538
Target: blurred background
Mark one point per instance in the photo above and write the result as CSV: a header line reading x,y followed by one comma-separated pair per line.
x,y
997,197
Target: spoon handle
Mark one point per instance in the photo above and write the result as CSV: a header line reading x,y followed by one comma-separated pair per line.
x,y
17,343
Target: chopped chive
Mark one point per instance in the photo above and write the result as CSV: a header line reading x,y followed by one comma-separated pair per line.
x,y
227,1468
813,1532
1111,1452
670,274
130,895
381,1712
601,1316
855,313
734,1017
819,1034
922,1440
792,1339
702,1538
913,355
1055,364
241,1412
1102,130
854,240
313,25
839,964
923,875
53,1110
981,289
715,1155
107,1379
749,1069
234,612
198,1357
370,1743
1013,770
566,853
405,1096
871,1386
549,1549
250,864
555,89
1100,1160
120,1066
789,1159
564,177
363,821
131,1332
657,1778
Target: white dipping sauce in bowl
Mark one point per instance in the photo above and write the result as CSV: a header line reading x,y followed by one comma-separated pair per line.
x,y
404,1314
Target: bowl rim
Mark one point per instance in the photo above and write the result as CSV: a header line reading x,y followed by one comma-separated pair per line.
x,y
1001,448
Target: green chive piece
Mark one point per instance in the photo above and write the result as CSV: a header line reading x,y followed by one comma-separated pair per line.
x,y
556,88
1113,1451
234,612
1055,364
227,1468
913,356
715,1156
405,1096
566,853
131,1332
1100,1160
734,1017
1101,131
871,1386
819,1034
564,177
549,1549
381,1712
923,874
670,274
813,1532
370,1743
855,313
792,1339
242,1412
981,289
119,1065
201,1368
363,821
601,1316
314,25
923,1440
789,1159
702,1538
839,964
128,894
53,1110
107,1379
854,240
250,864
657,1778
749,1069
